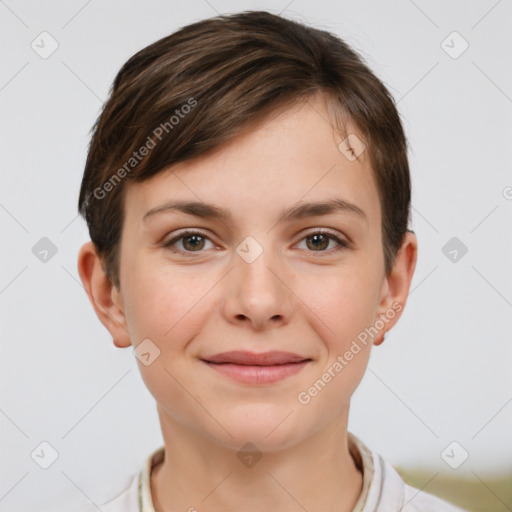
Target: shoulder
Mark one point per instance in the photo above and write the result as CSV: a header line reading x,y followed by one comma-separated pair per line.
x,y
420,501
126,501
395,492
386,491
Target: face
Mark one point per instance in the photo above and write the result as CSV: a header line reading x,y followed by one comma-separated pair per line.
x,y
256,280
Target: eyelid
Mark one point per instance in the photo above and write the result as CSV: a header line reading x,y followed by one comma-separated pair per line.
x,y
325,231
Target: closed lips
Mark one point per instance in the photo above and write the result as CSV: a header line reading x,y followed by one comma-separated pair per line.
x,y
256,359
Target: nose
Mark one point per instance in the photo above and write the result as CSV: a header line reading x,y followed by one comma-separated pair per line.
x,y
259,293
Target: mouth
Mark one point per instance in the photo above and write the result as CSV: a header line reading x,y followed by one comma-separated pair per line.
x,y
257,368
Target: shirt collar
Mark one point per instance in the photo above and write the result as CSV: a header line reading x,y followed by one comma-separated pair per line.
x,y
360,453
145,498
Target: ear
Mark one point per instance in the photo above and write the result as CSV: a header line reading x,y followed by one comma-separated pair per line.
x,y
105,298
396,285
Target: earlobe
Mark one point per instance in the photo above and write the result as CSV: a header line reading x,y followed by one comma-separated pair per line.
x,y
380,339
101,294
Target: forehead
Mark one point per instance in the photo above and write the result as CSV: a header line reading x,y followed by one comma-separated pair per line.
x,y
292,155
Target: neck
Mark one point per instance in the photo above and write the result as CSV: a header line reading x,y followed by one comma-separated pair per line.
x,y
200,474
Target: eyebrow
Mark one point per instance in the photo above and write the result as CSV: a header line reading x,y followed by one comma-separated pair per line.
x,y
295,212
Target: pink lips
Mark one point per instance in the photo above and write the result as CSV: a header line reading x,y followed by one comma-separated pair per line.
x,y
257,368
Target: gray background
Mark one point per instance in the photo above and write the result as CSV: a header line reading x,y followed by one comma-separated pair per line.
x,y
443,373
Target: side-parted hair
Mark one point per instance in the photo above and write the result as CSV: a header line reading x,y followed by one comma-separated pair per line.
x,y
200,87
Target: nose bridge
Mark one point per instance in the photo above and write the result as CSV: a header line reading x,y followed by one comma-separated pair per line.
x,y
258,275
259,293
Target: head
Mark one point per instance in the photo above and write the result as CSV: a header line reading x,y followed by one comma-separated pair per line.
x,y
253,118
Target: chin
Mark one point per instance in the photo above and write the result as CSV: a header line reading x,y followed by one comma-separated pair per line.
x,y
268,427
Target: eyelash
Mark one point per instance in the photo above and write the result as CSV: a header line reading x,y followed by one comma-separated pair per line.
x,y
342,244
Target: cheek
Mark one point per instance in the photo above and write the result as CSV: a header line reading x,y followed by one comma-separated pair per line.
x,y
344,304
168,310
163,303
331,389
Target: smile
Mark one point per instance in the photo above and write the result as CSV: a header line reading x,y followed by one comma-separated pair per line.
x,y
256,369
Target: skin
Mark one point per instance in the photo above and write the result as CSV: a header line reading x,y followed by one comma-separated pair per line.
x,y
296,296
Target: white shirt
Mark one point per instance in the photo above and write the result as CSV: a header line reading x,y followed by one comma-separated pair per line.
x,y
383,488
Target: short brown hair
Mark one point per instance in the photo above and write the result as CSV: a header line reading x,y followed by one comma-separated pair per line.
x,y
210,80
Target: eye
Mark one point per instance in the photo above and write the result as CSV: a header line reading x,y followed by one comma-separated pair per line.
x,y
194,242
319,240
191,241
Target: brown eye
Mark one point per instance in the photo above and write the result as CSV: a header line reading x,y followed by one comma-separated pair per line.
x,y
190,242
193,242
318,241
